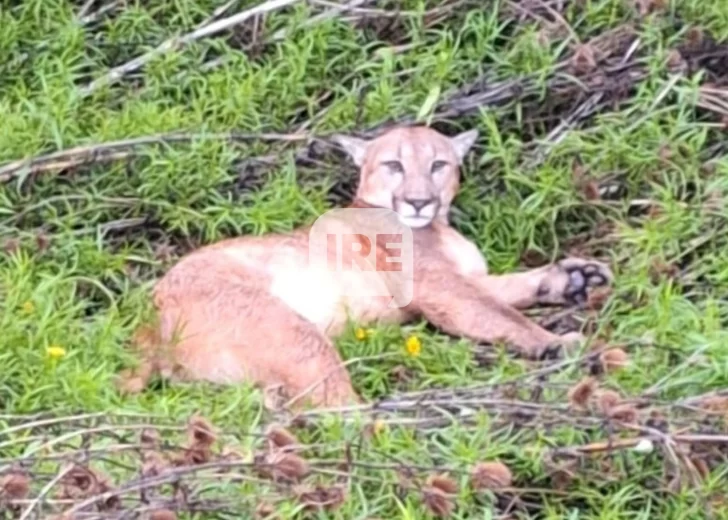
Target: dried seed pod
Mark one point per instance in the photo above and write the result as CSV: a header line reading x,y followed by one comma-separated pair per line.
x,y
613,359
606,400
279,437
200,432
437,502
694,36
443,482
264,510
584,58
149,438
290,467
78,482
624,412
81,482
14,486
581,392
197,455
490,475
281,466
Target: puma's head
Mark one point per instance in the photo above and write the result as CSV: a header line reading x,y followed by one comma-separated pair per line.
x,y
413,171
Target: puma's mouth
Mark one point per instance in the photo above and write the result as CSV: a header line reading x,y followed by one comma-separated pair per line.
x,y
416,215
416,221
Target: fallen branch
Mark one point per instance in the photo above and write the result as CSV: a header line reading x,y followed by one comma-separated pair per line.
x,y
125,148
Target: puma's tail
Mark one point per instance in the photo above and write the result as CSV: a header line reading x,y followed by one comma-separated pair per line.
x,y
148,344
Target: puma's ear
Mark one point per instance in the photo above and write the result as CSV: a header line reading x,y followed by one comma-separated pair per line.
x,y
355,147
462,143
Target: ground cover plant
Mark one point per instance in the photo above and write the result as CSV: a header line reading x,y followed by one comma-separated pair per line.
x,y
133,132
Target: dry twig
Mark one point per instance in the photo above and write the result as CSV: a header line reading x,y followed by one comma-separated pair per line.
x,y
205,30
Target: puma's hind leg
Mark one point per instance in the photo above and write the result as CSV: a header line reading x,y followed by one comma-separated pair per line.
x,y
564,282
241,334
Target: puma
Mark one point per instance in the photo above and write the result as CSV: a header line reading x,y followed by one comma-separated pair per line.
x,y
250,309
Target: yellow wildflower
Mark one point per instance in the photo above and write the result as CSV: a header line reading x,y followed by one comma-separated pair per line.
x,y
413,345
362,334
55,352
28,307
378,426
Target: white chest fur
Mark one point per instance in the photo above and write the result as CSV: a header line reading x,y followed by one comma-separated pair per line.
x,y
464,254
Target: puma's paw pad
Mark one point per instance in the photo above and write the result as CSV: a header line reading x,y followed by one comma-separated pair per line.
x,y
583,274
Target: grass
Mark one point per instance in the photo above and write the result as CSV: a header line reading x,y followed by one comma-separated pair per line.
x,y
83,245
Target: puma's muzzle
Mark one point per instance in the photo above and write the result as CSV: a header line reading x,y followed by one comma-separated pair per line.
x,y
416,212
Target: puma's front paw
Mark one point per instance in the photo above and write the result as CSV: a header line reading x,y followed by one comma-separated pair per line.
x,y
568,280
565,344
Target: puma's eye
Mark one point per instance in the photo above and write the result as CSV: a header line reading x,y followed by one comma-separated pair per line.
x,y
394,166
438,166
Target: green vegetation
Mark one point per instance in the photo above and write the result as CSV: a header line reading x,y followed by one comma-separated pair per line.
x,y
640,181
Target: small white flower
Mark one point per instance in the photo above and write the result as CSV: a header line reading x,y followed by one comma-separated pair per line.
x,y
644,446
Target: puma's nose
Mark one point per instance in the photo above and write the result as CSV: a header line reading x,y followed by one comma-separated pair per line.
x,y
418,204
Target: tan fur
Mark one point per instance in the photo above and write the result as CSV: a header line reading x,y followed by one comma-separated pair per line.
x,y
250,309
